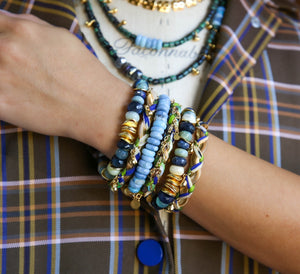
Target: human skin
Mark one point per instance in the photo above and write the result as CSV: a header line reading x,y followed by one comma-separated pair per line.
x,y
51,84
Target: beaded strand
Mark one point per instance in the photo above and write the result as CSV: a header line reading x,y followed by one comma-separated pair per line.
x,y
134,73
152,43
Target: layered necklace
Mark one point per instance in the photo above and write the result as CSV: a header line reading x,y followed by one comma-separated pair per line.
x,y
212,22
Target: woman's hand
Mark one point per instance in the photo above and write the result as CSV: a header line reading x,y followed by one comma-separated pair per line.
x,y
51,84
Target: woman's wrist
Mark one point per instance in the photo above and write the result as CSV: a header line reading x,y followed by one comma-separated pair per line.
x,y
97,121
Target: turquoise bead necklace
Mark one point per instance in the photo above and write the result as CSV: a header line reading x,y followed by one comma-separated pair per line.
x,y
152,43
133,72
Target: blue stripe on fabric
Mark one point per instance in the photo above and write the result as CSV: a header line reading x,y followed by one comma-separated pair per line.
x,y
120,231
270,126
232,121
2,5
57,207
225,121
49,205
112,232
274,108
231,260
178,244
26,200
4,200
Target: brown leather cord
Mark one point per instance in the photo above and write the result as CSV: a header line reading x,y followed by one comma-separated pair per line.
x,y
163,234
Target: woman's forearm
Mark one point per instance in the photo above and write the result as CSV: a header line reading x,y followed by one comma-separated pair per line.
x,y
251,204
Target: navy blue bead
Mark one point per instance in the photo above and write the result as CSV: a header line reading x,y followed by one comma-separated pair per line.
x,y
183,144
165,198
136,107
124,145
187,127
140,93
116,162
178,161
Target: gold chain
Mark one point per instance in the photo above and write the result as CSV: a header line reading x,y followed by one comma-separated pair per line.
x,y
165,6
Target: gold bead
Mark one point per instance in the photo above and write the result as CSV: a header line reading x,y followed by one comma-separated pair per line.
x,y
83,1
107,1
129,130
208,25
113,11
195,71
90,23
208,57
196,37
212,46
130,123
127,137
122,23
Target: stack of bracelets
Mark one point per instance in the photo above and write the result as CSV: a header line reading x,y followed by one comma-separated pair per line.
x,y
160,152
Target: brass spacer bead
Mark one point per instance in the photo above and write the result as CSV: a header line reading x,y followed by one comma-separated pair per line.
x,y
212,46
208,57
195,71
90,23
113,11
122,23
196,37
83,1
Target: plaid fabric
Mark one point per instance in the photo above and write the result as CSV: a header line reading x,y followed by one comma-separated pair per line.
x,y
57,217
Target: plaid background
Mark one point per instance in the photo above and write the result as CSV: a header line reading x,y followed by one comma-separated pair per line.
x,y
57,217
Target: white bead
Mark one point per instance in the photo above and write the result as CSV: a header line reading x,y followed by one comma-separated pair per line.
x,y
113,170
176,170
189,116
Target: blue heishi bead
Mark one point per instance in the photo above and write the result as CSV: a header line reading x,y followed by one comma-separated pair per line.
x,y
153,141
156,135
183,144
143,42
140,93
124,145
160,204
179,161
138,39
165,198
145,164
164,96
138,99
139,175
163,107
148,152
122,154
146,158
158,129
187,127
149,43
154,43
161,114
159,123
142,170
116,162
136,107
152,147
159,44
141,84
